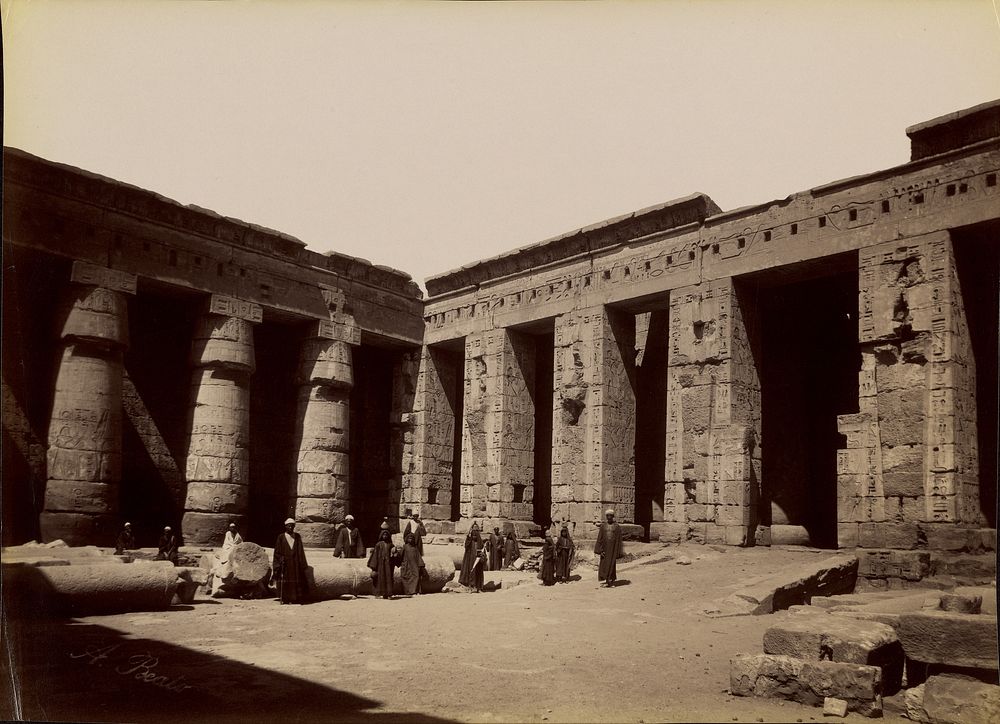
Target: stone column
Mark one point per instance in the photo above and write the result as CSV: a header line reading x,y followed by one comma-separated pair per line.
x,y
910,467
322,430
218,456
593,456
498,440
713,420
429,438
84,455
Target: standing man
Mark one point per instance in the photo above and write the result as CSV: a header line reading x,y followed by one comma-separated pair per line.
x,y
168,546
511,550
547,573
473,561
383,559
609,548
289,566
349,544
496,550
564,554
126,540
414,526
411,567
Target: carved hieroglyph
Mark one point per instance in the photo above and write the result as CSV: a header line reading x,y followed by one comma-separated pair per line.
x,y
218,455
593,456
911,452
498,437
85,428
713,419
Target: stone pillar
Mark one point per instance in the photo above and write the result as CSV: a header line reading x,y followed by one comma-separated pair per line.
x,y
713,420
911,462
322,432
429,438
218,456
84,455
593,456
498,440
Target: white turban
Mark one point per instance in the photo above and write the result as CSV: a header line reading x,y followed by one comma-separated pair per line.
x,y
289,520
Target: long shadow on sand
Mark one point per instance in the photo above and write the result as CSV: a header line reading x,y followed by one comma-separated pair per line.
x,y
59,669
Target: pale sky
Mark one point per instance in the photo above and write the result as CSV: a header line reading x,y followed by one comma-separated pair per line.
x,y
425,136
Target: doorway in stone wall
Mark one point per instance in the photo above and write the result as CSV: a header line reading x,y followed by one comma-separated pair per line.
x,y
802,321
370,437
977,259
651,344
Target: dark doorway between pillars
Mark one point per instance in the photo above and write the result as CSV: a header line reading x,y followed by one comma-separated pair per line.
x,y
156,399
977,257
806,319
651,343
370,437
544,380
273,415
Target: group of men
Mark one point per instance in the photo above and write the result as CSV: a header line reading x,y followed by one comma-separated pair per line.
x,y
289,563
557,559
166,548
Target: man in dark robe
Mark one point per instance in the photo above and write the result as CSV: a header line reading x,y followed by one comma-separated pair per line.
x,y
473,561
564,555
609,548
126,540
548,570
383,559
349,544
289,566
511,550
411,569
168,546
416,527
496,550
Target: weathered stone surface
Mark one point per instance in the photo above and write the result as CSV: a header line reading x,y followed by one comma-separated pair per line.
x,y
970,568
954,639
807,682
913,704
832,575
208,528
960,604
908,565
81,590
823,637
246,571
988,595
955,700
78,527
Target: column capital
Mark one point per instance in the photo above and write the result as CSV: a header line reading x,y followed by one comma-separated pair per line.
x,y
231,307
100,276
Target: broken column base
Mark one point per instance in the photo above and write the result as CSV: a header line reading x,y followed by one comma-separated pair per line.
x,y
807,682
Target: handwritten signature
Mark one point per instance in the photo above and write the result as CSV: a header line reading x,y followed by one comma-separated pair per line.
x,y
140,666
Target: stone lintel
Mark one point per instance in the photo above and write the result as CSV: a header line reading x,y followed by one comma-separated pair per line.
x,y
100,276
232,307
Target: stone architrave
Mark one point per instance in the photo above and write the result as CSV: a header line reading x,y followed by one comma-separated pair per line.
x,y
713,419
322,467
429,453
911,454
498,437
85,427
218,455
593,456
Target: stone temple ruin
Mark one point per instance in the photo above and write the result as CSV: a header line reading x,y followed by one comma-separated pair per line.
x,y
819,369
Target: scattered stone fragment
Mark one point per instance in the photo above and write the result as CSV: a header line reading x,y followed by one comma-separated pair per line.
x,y
833,706
682,561
913,700
825,577
961,604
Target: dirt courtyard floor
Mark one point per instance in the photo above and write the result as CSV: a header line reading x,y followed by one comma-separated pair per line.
x,y
641,652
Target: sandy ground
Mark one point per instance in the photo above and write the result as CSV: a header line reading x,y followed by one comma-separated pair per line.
x,y
641,652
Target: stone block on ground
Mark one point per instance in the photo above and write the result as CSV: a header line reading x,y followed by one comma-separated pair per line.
x,y
840,639
958,603
246,572
960,700
807,682
953,639
834,707
828,576
336,577
913,704
988,594
907,565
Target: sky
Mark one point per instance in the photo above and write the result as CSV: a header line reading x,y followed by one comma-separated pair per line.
x,y
427,135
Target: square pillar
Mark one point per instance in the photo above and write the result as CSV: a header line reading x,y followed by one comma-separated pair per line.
x,y
911,459
498,435
713,419
593,457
